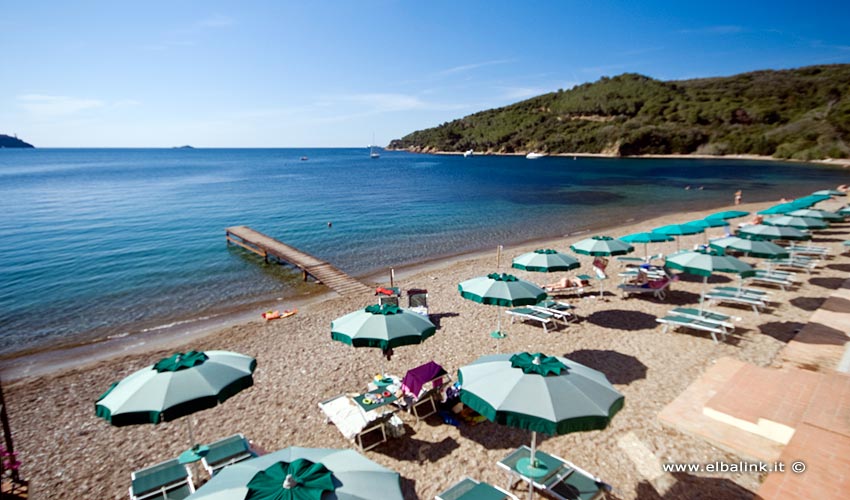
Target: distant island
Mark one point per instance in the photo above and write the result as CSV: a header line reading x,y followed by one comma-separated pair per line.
x,y
8,141
183,147
801,114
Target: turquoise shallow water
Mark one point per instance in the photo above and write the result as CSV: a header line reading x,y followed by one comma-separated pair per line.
x,y
114,241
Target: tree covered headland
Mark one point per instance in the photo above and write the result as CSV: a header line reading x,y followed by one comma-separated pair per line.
x,y
800,113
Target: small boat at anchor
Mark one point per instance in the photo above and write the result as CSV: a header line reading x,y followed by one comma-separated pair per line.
x,y
467,153
535,156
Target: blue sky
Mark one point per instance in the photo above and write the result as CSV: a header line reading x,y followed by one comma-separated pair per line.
x,y
332,73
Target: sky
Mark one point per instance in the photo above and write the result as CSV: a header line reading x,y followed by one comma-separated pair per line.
x,y
280,73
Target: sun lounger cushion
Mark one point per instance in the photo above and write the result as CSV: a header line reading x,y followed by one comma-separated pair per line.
x,y
169,479
697,324
227,451
749,300
470,489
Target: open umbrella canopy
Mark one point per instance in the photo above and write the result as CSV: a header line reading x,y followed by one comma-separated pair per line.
x,y
646,238
707,263
844,211
547,394
501,290
808,201
797,222
706,223
780,209
602,246
303,474
817,214
545,261
384,326
679,229
829,192
763,232
176,386
728,214
753,248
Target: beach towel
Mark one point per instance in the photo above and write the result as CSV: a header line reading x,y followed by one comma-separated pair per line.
x,y
417,377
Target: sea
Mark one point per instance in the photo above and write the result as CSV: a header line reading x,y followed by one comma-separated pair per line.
x,y
104,243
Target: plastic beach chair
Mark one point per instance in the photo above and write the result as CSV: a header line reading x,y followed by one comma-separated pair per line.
x,y
755,302
702,324
529,314
168,480
560,310
781,278
748,292
563,480
227,451
470,489
724,321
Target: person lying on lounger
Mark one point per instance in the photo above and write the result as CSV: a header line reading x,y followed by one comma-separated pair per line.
x,y
568,283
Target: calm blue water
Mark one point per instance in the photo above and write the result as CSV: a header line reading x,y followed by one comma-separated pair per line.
x,y
106,242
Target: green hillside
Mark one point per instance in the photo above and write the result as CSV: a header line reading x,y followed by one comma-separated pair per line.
x,y
802,113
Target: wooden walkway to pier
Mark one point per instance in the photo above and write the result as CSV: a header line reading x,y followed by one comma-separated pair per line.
x,y
270,248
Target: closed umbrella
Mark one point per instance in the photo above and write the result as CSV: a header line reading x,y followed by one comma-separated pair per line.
x,y
503,290
678,230
646,238
707,263
540,393
382,326
797,222
296,473
175,387
763,232
817,214
545,261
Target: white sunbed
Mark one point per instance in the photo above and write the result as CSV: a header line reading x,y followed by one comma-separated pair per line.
x,y
561,310
724,321
529,314
658,292
564,287
821,252
356,424
798,262
751,292
697,324
755,302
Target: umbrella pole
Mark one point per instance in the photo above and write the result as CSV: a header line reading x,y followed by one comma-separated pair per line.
x,y
191,435
498,333
533,462
702,295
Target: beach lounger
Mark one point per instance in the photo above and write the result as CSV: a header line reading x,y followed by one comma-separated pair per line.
x,y
563,480
561,310
697,324
566,287
755,302
365,429
529,314
417,301
225,452
167,480
799,262
722,320
421,387
821,252
752,292
470,489
656,287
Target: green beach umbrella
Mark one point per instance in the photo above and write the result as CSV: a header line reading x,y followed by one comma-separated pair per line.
x,y
382,326
829,192
540,393
796,222
545,261
808,201
602,246
844,211
707,223
678,230
176,386
752,248
503,290
706,263
303,474
817,214
763,232
728,214
646,238
780,209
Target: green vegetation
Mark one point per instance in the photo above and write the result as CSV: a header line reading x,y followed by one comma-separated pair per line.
x,y
7,141
801,113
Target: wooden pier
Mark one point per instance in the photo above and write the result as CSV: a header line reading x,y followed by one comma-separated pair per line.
x,y
272,249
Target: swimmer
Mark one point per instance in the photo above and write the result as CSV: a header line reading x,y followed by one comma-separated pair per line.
x,y
330,224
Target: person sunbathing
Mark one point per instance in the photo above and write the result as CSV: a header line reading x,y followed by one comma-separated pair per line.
x,y
567,283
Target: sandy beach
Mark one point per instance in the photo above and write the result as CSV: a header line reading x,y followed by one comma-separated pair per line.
x,y
67,452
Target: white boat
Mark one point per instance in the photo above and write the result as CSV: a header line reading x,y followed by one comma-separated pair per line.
x,y
372,153
534,156
467,154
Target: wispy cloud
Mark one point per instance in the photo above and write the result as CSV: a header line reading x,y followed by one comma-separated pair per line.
x,y
724,29
56,105
470,67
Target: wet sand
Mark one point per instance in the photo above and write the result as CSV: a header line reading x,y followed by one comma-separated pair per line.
x,y
67,452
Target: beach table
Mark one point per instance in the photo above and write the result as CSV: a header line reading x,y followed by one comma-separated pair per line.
x,y
470,489
373,400
561,479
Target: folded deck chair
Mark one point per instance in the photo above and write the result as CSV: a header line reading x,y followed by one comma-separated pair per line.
x,y
529,314
417,301
561,310
755,302
697,324
167,480
421,386
470,489
567,287
563,480
225,452
656,287
365,429
722,320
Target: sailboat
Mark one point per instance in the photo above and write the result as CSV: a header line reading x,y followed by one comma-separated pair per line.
x,y
372,153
